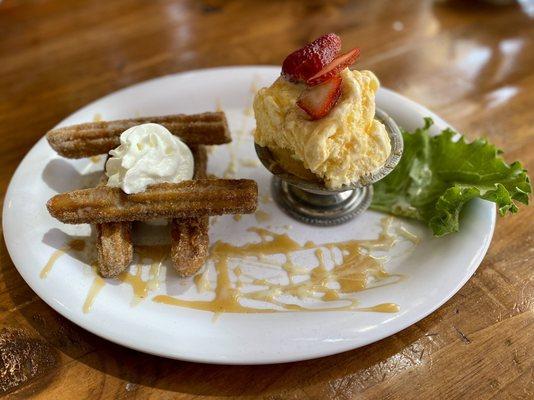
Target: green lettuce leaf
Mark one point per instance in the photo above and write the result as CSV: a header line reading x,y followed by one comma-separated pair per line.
x,y
438,175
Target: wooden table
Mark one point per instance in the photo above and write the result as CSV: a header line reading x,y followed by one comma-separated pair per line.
x,y
471,63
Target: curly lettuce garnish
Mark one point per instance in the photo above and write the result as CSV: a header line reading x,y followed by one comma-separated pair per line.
x,y
437,176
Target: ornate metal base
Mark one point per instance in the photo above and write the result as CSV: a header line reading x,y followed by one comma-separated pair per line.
x,y
320,208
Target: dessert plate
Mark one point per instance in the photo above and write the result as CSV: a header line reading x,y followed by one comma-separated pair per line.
x,y
428,272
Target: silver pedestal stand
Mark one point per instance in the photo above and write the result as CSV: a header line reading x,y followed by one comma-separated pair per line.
x,y
311,202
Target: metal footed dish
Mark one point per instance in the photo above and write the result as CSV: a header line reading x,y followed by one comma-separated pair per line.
x,y
311,202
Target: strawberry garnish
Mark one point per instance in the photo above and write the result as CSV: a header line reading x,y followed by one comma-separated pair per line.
x,y
304,63
334,67
318,100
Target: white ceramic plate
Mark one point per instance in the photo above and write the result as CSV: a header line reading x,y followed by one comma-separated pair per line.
x,y
434,270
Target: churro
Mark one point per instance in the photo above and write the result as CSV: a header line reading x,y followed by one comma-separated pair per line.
x,y
189,244
93,138
189,236
188,204
114,245
186,199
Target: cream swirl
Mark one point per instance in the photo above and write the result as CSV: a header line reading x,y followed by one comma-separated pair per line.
x,y
148,154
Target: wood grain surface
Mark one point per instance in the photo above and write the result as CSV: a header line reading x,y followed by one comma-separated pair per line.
x,y
471,62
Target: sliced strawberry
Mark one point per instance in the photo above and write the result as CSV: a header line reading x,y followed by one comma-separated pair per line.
x,y
303,63
334,68
318,100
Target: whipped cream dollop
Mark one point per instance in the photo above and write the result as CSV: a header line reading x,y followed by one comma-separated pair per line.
x,y
148,154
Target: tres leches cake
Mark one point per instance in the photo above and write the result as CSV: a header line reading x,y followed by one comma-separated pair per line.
x,y
320,115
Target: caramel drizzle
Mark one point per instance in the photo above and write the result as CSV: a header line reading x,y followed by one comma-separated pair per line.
x,y
266,198
97,285
202,281
141,287
356,271
262,216
352,269
231,168
75,245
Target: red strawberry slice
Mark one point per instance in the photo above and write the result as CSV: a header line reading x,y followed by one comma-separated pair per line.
x,y
303,63
334,68
318,100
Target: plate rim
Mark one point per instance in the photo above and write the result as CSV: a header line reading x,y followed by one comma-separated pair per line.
x,y
86,324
